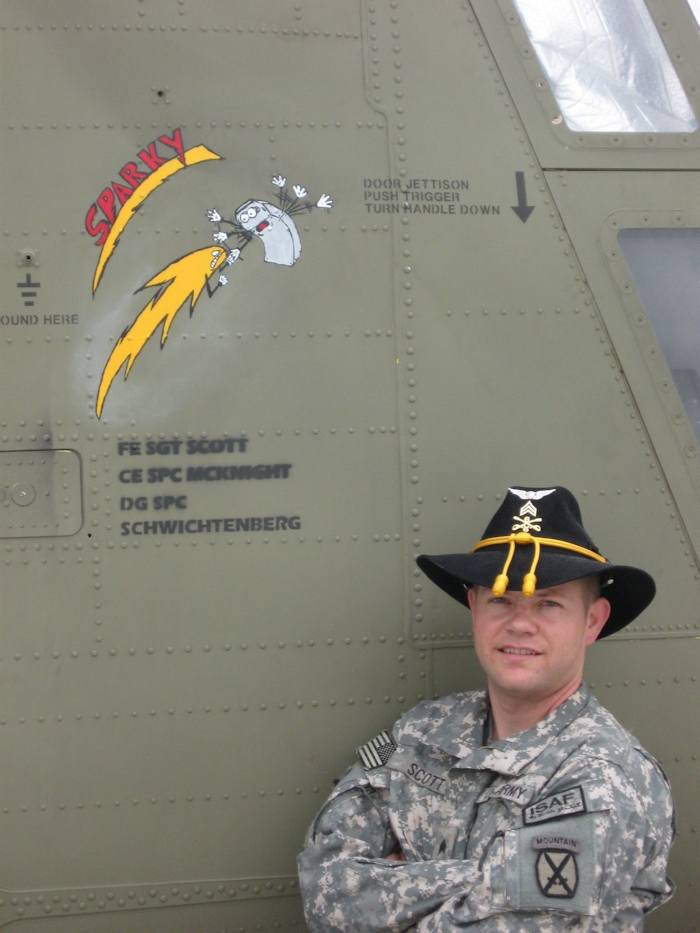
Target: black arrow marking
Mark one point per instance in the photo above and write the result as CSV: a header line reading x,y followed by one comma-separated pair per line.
x,y
523,210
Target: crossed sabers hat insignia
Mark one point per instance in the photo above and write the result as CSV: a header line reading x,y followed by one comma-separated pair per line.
x,y
563,880
527,519
513,554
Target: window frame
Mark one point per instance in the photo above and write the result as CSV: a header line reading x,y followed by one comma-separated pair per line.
x,y
672,19
641,326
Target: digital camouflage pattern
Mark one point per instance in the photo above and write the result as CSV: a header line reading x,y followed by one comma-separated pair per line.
x,y
564,827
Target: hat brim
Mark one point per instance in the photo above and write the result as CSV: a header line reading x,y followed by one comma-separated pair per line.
x,y
629,591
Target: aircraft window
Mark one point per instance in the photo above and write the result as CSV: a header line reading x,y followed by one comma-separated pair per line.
x,y
607,66
665,267
695,7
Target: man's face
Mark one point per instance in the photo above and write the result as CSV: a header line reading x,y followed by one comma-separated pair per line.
x,y
533,646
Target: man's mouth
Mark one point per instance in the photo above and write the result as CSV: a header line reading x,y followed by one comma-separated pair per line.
x,y
261,226
524,651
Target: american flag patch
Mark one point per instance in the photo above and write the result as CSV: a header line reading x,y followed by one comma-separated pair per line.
x,y
377,752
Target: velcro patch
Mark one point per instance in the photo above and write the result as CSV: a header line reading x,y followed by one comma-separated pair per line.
x,y
565,803
554,841
510,791
377,751
420,773
557,873
556,866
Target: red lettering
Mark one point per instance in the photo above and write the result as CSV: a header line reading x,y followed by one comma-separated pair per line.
x,y
174,143
151,157
122,192
106,202
101,229
131,175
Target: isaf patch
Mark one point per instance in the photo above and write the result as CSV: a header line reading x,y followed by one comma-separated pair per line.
x,y
556,869
565,803
377,751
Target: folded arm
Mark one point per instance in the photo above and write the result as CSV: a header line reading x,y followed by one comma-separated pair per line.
x,y
350,883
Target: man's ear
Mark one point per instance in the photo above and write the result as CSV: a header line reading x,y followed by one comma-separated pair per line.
x,y
471,595
598,615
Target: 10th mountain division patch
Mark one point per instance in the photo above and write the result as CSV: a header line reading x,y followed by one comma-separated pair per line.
x,y
556,869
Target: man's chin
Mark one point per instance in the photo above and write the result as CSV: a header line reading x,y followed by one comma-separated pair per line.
x,y
524,686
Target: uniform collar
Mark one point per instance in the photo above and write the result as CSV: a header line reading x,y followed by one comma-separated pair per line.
x,y
461,734
512,755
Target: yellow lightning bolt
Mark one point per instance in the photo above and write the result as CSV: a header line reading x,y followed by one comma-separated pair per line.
x,y
192,157
183,280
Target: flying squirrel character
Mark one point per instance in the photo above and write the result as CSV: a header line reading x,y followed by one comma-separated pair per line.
x,y
184,280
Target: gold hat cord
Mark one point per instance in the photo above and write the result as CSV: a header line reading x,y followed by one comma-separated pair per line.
x,y
500,584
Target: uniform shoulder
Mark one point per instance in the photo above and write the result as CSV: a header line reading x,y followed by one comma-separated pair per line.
x,y
457,709
621,761
608,738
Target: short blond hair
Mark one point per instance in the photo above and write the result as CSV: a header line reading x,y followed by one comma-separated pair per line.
x,y
591,588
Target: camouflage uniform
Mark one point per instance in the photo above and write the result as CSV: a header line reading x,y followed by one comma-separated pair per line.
x,y
566,826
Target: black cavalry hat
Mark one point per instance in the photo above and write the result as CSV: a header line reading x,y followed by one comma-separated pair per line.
x,y
536,540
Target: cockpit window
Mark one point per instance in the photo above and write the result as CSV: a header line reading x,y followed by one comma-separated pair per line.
x,y
665,267
607,66
695,7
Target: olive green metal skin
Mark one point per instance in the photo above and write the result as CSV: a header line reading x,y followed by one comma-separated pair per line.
x,y
217,602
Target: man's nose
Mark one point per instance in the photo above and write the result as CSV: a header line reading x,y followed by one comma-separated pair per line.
x,y
521,618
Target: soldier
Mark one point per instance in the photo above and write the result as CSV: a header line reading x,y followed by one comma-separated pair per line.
x,y
523,807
